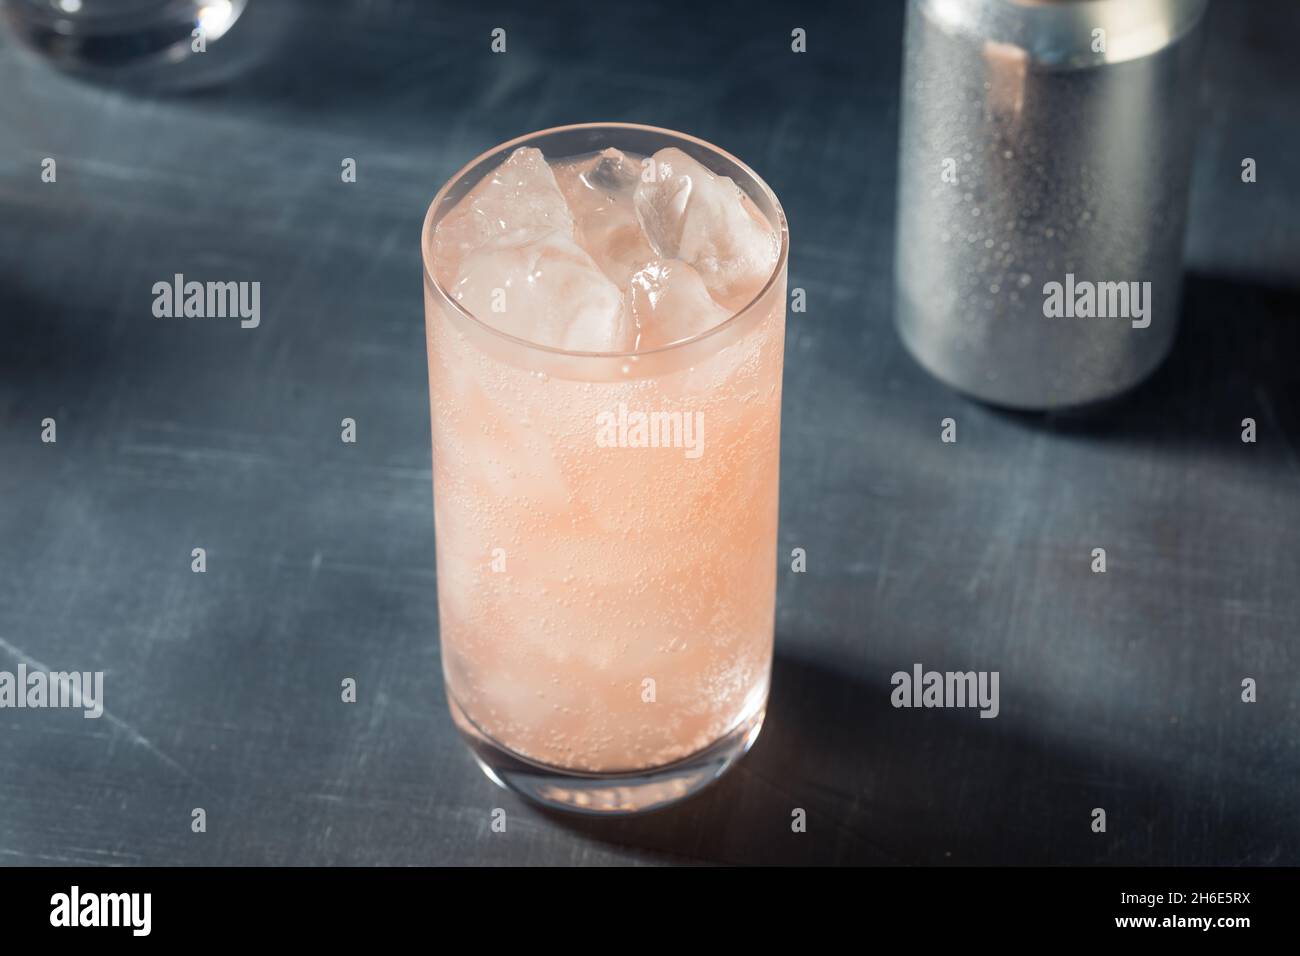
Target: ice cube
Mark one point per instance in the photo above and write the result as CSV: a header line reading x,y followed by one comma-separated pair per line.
x,y
547,291
689,213
599,191
610,172
518,202
669,302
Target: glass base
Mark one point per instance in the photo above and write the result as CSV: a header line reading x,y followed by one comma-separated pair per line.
x,y
606,794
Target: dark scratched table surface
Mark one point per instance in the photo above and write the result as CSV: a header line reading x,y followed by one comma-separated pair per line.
x,y
1119,690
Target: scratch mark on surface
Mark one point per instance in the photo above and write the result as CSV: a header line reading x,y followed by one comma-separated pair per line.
x,y
1003,543
136,737
886,549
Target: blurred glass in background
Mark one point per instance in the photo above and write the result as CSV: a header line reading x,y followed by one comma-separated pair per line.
x,y
126,39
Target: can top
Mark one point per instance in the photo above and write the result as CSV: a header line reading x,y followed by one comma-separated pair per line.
x,y
1070,34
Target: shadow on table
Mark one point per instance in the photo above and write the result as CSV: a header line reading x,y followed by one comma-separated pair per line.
x,y
51,348
1234,358
885,786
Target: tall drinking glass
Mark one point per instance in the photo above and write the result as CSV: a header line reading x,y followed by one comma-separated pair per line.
x,y
606,521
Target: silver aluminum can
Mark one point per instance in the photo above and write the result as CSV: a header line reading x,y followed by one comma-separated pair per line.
x,y
1044,141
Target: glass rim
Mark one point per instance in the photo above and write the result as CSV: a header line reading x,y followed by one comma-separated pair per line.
x,y
426,235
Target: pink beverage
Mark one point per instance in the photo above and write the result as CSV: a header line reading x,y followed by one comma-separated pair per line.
x,y
605,318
